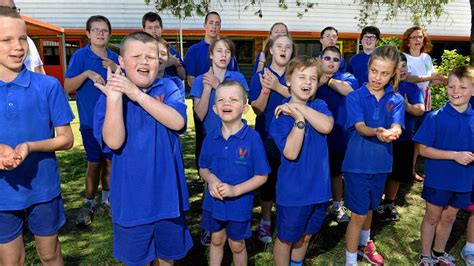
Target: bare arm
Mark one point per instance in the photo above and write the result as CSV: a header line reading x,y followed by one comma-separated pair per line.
x,y
113,130
415,109
461,157
212,182
340,86
295,138
62,140
72,84
226,190
201,105
319,121
190,80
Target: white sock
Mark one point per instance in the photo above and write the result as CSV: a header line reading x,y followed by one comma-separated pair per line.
x,y
105,196
351,258
469,247
91,201
336,204
264,222
364,237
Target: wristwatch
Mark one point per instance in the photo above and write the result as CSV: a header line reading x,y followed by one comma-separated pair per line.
x,y
300,124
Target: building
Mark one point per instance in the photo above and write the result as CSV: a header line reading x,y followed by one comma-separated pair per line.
x,y
58,26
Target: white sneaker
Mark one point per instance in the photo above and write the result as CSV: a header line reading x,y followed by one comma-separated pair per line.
x,y
340,213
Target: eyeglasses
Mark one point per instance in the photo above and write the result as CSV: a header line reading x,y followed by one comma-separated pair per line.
x,y
416,37
369,38
329,36
329,59
99,31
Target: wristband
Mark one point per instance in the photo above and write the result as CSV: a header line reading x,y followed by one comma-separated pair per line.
x,y
329,81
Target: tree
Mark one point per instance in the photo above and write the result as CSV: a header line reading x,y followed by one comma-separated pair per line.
x,y
422,12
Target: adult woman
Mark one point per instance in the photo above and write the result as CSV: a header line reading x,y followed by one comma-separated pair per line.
x,y
416,45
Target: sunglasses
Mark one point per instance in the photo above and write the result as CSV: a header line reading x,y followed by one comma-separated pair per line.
x,y
329,59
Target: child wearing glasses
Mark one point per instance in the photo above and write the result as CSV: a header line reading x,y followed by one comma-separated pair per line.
x,y
333,86
329,38
358,65
87,66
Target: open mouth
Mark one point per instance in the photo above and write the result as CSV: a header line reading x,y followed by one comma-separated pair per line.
x,y
223,61
306,89
283,55
143,71
17,58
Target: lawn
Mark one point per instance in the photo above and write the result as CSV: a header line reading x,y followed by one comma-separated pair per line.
x,y
398,241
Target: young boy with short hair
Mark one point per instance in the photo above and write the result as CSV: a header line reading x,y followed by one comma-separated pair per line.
x,y
87,66
359,63
446,139
303,188
139,118
35,123
234,164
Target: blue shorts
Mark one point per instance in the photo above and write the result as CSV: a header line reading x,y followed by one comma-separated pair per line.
x,y
44,219
295,221
94,152
234,230
164,239
443,198
363,192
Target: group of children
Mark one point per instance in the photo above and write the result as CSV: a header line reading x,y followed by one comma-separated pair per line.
x,y
317,128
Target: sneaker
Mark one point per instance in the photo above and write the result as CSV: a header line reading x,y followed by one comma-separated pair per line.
x,y
426,261
205,238
446,259
468,257
85,215
371,255
387,212
105,207
340,213
264,233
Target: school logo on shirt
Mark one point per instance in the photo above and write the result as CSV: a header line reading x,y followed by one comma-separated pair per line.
x,y
242,154
160,98
389,107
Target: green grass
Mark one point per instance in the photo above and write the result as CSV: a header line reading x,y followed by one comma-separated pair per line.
x,y
399,242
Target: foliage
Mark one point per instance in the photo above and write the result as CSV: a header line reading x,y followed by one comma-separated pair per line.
x,y
395,41
421,12
188,8
449,60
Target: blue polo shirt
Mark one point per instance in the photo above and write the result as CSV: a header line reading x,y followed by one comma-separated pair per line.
x,y
87,94
233,161
147,181
171,70
369,155
471,101
414,96
197,61
359,66
263,121
305,180
211,120
179,83
337,105
32,106
447,129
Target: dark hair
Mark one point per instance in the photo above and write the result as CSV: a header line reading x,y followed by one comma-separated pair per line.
x,y
140,36
403,57
98,18
370,30
427,46
228,42
463,72
229,83
9,12
333,49
328,28
390,53
269,56
211,13
152,17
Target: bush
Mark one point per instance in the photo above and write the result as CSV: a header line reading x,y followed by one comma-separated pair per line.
x,y
395,41
449,60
